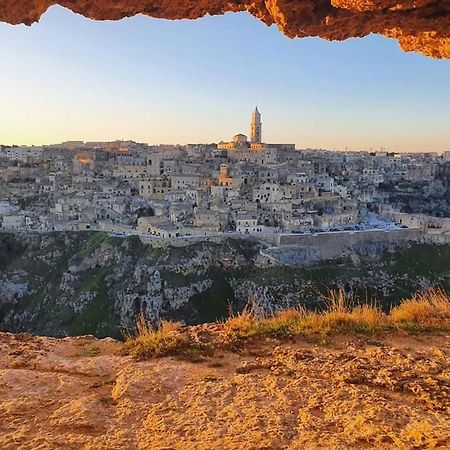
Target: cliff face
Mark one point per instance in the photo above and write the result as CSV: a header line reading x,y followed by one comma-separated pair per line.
x,y
78,393
91,283
419,25
75,283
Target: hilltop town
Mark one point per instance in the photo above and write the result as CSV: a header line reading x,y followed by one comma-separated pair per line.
x,y
243,186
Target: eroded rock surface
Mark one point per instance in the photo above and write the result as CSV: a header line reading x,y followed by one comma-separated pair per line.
x,y
419,25
78,393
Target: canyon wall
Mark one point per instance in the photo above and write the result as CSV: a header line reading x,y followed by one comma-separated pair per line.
x,y
73,283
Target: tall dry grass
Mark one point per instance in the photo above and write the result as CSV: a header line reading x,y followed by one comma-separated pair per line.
x,y
431,307
338,316
148,342
426,310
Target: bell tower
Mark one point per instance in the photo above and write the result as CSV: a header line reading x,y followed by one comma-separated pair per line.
x,y
256,127
223,171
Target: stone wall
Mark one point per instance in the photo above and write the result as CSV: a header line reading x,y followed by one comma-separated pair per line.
x,y
305,249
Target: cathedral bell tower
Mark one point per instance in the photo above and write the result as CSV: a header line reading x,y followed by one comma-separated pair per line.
x,y
256,127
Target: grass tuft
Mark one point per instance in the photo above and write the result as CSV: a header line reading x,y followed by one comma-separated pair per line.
x,y
431,307
149,342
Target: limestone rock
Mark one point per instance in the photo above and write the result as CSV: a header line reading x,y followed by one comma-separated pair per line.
x,y
418,25
389,394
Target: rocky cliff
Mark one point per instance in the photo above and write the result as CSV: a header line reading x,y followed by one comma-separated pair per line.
x,y
62,284
419,25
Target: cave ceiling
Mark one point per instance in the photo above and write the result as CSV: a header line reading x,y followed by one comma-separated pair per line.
x,y
418,25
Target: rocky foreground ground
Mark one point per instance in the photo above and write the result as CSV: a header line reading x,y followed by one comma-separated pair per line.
x,y
80,393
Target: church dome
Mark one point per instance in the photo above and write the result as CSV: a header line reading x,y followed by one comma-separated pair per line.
x,y
240,138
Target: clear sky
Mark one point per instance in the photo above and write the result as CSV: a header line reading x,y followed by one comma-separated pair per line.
x,y
156,81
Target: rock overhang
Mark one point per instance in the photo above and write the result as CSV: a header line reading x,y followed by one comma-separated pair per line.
x,y
419,25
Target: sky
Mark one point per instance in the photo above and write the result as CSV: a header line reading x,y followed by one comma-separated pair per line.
x,y
159,81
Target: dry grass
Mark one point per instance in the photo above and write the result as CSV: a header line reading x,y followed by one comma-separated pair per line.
x,y
425,311
427,308
430,309
339,316
149,342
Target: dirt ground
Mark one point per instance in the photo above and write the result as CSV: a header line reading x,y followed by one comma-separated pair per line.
x,y
79,393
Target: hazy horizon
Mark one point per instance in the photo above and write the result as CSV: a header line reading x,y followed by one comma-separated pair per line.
x,y
177,82
162,144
